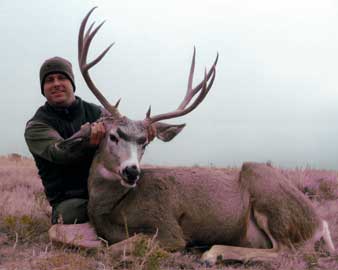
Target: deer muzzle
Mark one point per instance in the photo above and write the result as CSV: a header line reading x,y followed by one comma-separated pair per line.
x,y
131,174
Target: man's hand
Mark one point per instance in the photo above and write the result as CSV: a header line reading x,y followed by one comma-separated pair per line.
x,y
97,133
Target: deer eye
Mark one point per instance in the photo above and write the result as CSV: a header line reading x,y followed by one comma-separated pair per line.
x,y
144,146
114,138
141,140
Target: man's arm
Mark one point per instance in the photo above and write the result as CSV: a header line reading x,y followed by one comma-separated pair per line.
x,y
46,142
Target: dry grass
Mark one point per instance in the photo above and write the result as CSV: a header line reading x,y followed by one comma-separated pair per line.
x,y
25,220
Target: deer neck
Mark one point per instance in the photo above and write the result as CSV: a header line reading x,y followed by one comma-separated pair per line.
x,y
102,181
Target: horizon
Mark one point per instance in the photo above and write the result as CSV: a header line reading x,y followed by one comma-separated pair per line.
x,y
274,98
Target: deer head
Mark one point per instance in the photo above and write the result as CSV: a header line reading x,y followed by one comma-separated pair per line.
x,y
124,144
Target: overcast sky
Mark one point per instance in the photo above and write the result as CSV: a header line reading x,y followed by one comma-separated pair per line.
x,y
275,96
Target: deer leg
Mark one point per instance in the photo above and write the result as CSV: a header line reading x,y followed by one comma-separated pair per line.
x,y
323,233
245,254
262,222
254,236
171,238
327,237
111,233
130,245
117,237
237,254
127,246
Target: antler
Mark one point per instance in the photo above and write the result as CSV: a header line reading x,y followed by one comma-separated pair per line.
x,y
202,88
83,47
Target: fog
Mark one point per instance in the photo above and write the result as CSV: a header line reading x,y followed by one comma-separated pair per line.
x,y
275,96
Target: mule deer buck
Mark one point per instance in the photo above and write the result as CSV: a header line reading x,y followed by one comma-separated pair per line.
x,y
247,216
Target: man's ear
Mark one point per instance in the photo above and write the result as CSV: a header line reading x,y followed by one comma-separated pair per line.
x,y
166,132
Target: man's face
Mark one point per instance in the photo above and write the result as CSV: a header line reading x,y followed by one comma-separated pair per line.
x,y
58,90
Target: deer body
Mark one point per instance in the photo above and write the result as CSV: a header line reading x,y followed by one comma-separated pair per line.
x,y
247,215
176,202
204,206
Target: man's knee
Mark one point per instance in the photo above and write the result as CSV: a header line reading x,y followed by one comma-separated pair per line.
x,y
70,211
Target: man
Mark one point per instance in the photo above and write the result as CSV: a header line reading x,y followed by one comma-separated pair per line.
x,y
62,137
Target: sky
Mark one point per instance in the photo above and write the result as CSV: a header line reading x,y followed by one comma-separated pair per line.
x,y
275,96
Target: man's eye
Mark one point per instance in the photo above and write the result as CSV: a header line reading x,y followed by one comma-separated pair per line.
x,y
62,77
114,138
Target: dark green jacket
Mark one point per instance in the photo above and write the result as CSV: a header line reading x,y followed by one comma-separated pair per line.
x,y
59,142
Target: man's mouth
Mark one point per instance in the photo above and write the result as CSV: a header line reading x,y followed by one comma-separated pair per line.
x,y
58,93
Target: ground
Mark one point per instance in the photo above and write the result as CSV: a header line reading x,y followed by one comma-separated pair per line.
x,y
25,220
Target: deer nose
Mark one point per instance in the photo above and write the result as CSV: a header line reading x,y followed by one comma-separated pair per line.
x,y
131,173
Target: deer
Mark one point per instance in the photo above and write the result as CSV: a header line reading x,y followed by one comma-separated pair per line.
x,y
251,215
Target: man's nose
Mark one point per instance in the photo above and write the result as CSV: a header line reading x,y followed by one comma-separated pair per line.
x,y
56,82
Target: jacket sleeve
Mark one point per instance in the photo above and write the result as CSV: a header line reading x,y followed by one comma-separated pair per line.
x,y
46,142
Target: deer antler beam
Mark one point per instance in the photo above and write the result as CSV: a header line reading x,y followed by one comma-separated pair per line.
x,y
202,89
84,42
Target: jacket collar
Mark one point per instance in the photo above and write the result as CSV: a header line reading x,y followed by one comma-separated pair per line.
x,y
66,112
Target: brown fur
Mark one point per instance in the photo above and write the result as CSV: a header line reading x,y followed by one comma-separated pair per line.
x,y
201,206
188,206
292,218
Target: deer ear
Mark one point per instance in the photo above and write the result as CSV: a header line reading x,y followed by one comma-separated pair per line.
x,y
166,132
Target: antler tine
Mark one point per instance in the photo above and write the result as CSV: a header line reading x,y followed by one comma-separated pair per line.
x,y
117,103
81,32
191,74
204,92
83,48
202,88
192,92
87,41
85,38
209,73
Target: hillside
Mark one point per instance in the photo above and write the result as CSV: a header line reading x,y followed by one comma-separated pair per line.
x,y
25,220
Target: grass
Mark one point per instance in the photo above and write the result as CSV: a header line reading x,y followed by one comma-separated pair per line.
x,y
25,220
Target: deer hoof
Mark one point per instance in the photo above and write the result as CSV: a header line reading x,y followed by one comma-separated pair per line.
x,y
208,258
